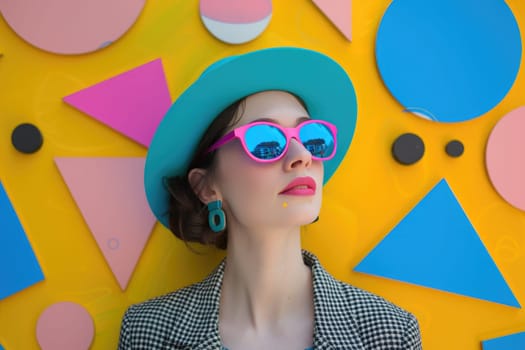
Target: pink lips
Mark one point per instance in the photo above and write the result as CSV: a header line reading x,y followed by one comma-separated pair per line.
x,y
300,186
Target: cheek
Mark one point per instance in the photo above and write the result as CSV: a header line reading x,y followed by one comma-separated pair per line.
x,y
241,178
248,188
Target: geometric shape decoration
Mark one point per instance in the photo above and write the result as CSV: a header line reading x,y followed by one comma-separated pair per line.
x,y
408,149
27,138
109,193
235,21
505,157
339,13
132,103
436,246
65,326
71,27
19,267
455,59
454,148
509,342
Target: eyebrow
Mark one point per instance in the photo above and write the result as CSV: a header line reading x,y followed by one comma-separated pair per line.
x,y
267,119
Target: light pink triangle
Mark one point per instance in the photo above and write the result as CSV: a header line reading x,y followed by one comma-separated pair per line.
x,y
110,195
132,103
339,12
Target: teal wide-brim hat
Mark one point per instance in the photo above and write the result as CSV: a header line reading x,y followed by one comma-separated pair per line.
x,y
317,79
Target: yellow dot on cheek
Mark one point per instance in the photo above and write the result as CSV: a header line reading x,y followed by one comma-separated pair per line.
x,y
285,204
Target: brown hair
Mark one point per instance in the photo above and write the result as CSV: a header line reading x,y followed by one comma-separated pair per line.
x,y
188,216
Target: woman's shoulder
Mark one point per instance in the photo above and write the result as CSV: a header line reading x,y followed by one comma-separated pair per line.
x,y
376,317
367,304
359,301
154,318
164,320
181,303
166,303
363,314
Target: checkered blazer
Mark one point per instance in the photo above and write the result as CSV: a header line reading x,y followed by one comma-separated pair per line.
x,y
345,318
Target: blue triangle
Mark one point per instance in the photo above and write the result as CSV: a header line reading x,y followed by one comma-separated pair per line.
x,y
509,342
436,246
19,267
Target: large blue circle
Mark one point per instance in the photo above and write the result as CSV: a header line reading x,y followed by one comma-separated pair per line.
x,y
452,60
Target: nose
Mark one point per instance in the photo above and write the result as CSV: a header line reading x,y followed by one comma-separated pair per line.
x,y
297,156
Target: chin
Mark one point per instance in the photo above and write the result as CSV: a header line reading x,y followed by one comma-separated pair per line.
x,y
304,217
311,220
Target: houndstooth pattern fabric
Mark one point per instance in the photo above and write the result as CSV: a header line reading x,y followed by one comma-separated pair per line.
x,y
345,318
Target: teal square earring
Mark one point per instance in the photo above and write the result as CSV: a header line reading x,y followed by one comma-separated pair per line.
x,y
216,217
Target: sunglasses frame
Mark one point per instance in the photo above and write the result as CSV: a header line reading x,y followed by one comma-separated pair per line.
x,y
289,133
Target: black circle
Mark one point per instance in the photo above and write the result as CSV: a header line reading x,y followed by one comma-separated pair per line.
x,y
454,148
27,138
408,149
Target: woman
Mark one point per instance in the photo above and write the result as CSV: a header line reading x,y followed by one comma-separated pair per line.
x,y
239,162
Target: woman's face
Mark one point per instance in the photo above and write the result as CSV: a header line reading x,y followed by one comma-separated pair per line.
x,y
253,193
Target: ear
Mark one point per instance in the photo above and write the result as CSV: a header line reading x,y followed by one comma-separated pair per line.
x,y
201,186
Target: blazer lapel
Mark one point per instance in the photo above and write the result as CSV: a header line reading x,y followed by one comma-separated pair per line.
x,y
334,327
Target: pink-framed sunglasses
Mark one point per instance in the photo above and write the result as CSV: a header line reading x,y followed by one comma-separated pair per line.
x,y
268,142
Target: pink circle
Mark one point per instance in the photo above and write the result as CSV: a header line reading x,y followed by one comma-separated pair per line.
x,y
505,157
65,326
71,26
236,11
236,21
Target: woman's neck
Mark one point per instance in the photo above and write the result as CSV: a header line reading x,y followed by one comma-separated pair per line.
x,y
266,284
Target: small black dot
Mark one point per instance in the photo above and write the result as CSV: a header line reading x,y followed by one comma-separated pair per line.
x,y
408,149
454,148
26,138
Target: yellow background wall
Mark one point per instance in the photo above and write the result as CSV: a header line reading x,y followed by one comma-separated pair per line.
x,y
368,195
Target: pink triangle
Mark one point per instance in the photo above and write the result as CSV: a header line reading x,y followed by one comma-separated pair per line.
x,y
132,103
110,195
339,12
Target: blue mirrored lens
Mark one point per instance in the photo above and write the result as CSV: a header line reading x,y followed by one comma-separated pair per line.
x,y
318,139
265,141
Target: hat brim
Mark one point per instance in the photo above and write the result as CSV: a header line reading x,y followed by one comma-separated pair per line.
x,y
317,79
